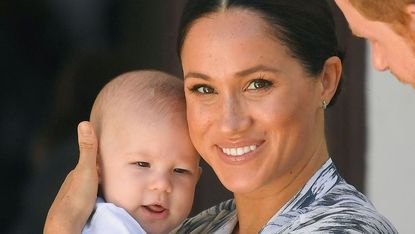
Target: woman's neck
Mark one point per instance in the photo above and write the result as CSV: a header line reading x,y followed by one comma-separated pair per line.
x,y
257,208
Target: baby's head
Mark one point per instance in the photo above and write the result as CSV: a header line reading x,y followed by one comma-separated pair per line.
x,y
146,162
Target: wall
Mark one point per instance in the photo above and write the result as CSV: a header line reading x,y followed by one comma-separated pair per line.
x,y
391,147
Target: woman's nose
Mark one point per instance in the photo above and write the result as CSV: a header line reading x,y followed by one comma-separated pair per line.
x,y
161,182
378,58
234,116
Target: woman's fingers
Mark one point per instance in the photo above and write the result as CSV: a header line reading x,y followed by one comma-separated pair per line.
x,y
85,176
88,146
55,220
76,198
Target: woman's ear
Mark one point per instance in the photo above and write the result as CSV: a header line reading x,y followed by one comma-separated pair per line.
x,y
330,78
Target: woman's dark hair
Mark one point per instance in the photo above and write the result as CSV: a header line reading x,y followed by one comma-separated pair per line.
x,y
305,27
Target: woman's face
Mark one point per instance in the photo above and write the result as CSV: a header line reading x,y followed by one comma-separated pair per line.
x,y
254,114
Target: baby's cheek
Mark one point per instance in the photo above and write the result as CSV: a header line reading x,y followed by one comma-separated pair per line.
x,y
118,188
185,195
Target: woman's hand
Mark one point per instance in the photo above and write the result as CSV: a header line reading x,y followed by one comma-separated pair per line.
x,y
76,198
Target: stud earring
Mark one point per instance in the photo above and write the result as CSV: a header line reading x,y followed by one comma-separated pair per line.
x,y
324,105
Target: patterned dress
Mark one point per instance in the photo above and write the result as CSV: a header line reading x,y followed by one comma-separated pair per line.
x,y
326,204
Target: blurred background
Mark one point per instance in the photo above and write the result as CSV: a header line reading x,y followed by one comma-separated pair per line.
x,y
55,55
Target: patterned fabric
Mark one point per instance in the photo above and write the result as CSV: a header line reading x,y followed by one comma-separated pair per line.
x,y
108,218
326,204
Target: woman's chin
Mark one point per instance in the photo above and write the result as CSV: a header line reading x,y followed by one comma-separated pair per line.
x,y
239,184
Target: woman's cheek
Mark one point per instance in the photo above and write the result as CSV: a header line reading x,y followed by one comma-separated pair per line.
x,y
198,115
193,121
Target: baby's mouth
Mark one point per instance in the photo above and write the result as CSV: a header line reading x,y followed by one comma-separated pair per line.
x,y
155,208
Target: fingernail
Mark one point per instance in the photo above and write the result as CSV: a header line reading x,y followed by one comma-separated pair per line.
x,y
85,129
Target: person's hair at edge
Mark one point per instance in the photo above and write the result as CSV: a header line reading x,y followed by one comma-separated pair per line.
x,y
307,32
147,92
386,11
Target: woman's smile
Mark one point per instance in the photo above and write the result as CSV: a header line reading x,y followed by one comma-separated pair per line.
x,y
239,153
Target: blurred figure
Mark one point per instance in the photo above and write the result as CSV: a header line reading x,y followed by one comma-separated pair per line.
x,y
80,81
32,46
389,26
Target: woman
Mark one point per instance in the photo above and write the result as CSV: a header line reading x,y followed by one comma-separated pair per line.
x,y
258,76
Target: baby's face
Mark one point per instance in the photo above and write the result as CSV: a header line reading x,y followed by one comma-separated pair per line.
x,y
149,168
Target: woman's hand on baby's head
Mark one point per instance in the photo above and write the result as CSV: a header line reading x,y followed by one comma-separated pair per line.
x,y
76,198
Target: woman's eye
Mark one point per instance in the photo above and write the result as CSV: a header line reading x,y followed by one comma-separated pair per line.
x,y
202,89
143,164
180,170
259,84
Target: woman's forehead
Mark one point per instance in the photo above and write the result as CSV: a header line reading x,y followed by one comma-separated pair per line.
x,y
229,43
232,22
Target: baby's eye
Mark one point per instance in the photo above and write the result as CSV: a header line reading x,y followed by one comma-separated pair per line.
x,y
202,89
259,84
143,164
180,170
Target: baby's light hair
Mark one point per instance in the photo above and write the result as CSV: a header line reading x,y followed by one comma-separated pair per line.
x,y
146,92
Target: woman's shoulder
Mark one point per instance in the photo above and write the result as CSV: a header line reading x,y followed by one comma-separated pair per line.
x,y
342,219
336,208
211,220
344,209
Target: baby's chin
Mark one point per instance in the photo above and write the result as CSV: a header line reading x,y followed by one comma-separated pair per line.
x,y
160,227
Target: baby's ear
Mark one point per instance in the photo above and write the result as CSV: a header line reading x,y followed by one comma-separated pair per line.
x,y
200,173
99,168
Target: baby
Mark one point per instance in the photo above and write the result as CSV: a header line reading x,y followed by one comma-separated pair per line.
x,y
147,166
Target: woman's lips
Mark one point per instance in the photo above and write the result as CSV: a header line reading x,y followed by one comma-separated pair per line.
x,y
240,153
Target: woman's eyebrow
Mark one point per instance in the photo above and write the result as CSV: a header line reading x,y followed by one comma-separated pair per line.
x,y
196,75
257,68
248,71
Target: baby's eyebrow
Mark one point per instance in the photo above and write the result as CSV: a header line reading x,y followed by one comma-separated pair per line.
x,y
135,154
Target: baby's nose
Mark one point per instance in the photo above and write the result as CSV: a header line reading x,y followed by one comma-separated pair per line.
x,y
162,183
